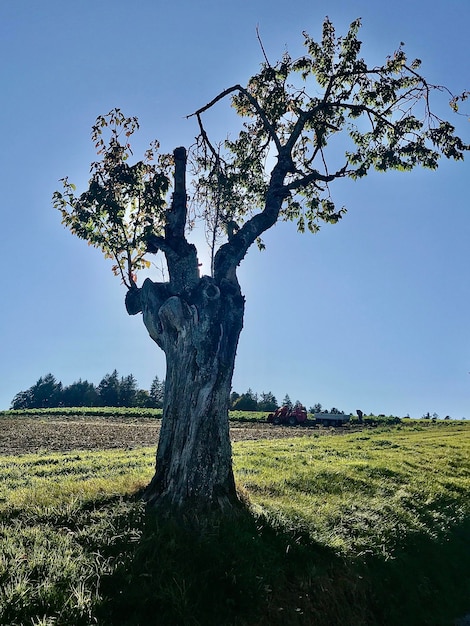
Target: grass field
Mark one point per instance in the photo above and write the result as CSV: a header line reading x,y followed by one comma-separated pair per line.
x,y
371,528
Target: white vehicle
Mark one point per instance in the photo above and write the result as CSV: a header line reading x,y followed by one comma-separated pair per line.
x,y
332,419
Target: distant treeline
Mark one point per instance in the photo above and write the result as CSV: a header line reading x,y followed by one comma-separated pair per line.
x,y
251,401
123,391
113,391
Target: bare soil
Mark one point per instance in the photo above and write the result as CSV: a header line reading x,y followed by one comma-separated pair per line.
x,y
22,435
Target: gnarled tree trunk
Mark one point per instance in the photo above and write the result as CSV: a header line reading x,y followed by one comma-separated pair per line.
x,y
197,322
199,333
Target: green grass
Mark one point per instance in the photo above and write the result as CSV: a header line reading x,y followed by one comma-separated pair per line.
x,y
85,411
369,528
238,416
383,485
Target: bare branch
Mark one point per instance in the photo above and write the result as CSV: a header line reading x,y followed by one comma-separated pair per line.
x,y
176,215
206,139
262,47
259,110
219,97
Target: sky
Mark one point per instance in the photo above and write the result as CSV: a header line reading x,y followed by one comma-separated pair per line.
x,y
371,313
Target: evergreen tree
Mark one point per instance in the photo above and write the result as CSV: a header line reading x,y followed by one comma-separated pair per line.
x,y
46,392
127,391
108,390
287,401
267,402
157,391
80,393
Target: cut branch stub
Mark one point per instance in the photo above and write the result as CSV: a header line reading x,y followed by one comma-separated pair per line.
x,y
132,302
176,216
181,256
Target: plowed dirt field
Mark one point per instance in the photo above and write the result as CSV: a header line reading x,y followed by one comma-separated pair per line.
x,y
21,435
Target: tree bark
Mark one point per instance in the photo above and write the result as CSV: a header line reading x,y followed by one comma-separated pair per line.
x,y
199,334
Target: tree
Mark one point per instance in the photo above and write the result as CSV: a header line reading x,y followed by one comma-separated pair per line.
x,y
108,390
45,393
316,408
246,402
157,392
287,401
127,391
22,400
233,398
80,393
143,399
279,167
267,402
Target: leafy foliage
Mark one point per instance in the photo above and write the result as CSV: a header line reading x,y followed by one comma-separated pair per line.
x,y
251,401
246,402
46,392
295,109
124,203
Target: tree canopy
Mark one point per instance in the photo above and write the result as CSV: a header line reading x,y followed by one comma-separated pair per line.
x,y
279,166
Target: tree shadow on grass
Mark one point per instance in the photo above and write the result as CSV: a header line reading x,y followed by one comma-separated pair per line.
x,y
233,570
248,570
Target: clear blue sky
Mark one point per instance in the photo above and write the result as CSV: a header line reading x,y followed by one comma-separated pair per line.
x,y
372,313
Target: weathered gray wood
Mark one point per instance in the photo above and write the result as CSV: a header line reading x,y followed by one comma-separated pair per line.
x,y
199,336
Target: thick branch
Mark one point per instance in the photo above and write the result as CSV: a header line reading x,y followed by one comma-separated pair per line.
x,y
231,253
307,116
362,108
156,243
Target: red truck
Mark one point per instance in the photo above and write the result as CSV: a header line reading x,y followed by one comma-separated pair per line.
x,y
285,415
